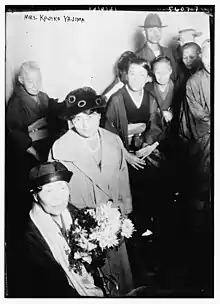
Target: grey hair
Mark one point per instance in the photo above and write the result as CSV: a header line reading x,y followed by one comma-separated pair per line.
x,y
27,66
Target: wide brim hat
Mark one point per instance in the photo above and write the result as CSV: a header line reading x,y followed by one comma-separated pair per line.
x,y
48,172
152,20
81,100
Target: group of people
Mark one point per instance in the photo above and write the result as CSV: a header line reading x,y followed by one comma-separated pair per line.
x,y
91,148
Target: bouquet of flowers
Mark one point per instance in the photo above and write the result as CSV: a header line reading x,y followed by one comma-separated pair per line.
x,y
93,232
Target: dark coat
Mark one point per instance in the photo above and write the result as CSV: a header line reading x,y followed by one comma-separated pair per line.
x,y
195,129
146,53
23,110
40,274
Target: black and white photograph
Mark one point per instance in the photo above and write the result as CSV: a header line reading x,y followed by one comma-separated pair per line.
x,y
109,151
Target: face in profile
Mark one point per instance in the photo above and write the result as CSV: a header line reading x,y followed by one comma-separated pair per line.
x,y
54,197
86,123
137,77
153,34
162,72
31,81
190,57
206,57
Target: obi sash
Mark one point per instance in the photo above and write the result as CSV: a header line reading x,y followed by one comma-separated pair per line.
x,y
39,129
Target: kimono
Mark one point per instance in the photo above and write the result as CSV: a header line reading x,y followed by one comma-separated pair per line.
x,y
117,121
162,129
195,126
183,74
21,112
43,267
144,182
91,186
146,53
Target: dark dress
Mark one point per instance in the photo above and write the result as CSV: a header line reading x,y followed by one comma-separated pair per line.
x,y
33,271
21,112
121,111
135,114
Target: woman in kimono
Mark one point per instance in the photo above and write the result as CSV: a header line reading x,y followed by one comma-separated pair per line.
x,y
44,251
133,113
32,125
120,77
96,158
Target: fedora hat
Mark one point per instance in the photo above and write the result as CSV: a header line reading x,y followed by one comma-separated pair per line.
x,y
48,172
81,100
152,20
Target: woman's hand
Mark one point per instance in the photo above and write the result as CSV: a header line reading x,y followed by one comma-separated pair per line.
x,y
168,116
134,161
146,151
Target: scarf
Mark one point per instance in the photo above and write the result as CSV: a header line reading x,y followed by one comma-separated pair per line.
x,y
84,284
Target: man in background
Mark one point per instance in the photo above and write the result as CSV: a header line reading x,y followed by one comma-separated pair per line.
x,y
152,48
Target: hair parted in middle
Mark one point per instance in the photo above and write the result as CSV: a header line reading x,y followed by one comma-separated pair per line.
x,y
142,62
161,59
123,61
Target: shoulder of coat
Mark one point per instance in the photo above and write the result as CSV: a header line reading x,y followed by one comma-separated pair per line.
x,y
64,141
110,136
195,79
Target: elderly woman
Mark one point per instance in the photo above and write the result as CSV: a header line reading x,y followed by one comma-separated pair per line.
x,y
32,125
46,263
96,158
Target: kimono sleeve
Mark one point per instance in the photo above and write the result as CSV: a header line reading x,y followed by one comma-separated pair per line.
x,y
155,130
116,118
124,185
201,117
111,116
17,131
194,101
58,126
55,107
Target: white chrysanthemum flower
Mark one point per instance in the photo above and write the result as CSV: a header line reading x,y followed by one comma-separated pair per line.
x,y
77,230
91,246
91,212
127,228
87,259
107,240
77,255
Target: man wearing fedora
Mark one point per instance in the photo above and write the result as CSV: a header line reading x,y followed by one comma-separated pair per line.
x,y
152,48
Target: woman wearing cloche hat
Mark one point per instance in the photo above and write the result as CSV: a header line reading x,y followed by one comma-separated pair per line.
x,y
96,158
46,264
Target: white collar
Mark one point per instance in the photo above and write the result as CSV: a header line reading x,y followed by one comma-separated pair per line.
x,y
136,102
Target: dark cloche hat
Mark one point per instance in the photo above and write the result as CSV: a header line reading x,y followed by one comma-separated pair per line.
x,y
48,172
81,100
152,20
